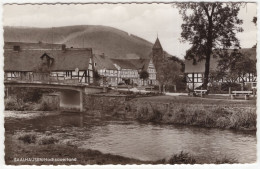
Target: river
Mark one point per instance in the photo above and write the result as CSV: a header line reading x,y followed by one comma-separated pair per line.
x,y
142,141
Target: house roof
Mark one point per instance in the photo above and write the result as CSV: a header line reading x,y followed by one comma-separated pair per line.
x,y
199,67
27,60
103,62
32,46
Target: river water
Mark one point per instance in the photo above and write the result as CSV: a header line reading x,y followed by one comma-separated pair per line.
x,y
143,141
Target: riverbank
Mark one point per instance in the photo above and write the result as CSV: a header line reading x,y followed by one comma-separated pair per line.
x,y
22,148
15,148
193,111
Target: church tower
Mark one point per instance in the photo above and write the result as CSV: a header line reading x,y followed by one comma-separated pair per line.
x,y
157,53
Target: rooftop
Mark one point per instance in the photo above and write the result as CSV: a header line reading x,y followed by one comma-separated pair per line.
x,y
29,54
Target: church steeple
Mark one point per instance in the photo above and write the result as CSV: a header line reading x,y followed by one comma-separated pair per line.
x,y
157,44
158,54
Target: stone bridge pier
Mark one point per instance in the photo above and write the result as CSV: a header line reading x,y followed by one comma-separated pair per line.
x,y
71,100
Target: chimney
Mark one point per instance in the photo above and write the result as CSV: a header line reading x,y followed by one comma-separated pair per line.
x,y
16,48
63,47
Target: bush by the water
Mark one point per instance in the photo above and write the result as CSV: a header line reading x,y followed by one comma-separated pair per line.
x,y
15,104
182,158
29,94
26,99
43,106
43,140
34,137
187,158
149,113
241,118
11,103
27,137
226,160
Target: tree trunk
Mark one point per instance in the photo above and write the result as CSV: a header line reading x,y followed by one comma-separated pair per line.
x,y
208,54
206,74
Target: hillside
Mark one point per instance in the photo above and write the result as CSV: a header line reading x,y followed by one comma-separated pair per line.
x,y
102,39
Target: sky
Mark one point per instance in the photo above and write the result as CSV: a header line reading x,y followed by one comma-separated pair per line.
x,y
144,20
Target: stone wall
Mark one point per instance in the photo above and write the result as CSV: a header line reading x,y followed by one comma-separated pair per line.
x,y
104,103
121,106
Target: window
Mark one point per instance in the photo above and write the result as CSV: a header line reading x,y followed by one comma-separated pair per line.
x,y
197,77
68,73
16,48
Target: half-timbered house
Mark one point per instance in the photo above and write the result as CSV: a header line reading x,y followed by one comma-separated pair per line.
x,y
195,71
48,62
106,69
130,69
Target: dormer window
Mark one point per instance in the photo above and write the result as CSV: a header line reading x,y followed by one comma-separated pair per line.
x,y
17,48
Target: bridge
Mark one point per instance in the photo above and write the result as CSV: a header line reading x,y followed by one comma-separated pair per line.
x,y
71,95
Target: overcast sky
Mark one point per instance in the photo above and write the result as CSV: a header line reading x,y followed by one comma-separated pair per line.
x,y
143,20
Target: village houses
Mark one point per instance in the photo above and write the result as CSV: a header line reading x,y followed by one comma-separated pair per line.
x,y
195,72
47,62
56,62
117,71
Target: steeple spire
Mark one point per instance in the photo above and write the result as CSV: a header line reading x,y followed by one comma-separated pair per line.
x,y
157,44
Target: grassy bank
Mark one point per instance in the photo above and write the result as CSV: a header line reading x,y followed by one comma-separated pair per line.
x,y
15,104
39,145
199,100
218,113
28,146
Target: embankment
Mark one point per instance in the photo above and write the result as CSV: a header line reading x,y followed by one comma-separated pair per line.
x,y
217,113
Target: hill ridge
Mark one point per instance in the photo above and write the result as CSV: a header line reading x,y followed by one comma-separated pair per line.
x,y
113,42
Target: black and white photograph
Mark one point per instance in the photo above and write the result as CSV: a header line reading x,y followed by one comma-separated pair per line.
x,y
126,83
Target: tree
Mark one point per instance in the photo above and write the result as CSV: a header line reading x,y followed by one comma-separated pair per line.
x,y
208,26
144,75
236,66
170,73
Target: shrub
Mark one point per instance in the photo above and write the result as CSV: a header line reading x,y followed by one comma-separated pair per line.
x,y
27,137
226,160
182,158
234,86
222,122
29,94
43,106
243,119
142,113
216,89
155,116
44,140
12,103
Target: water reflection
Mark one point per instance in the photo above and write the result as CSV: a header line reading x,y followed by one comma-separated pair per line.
x,y
144,141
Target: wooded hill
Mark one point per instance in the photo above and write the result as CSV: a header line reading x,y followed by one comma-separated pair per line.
x,y
113,42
